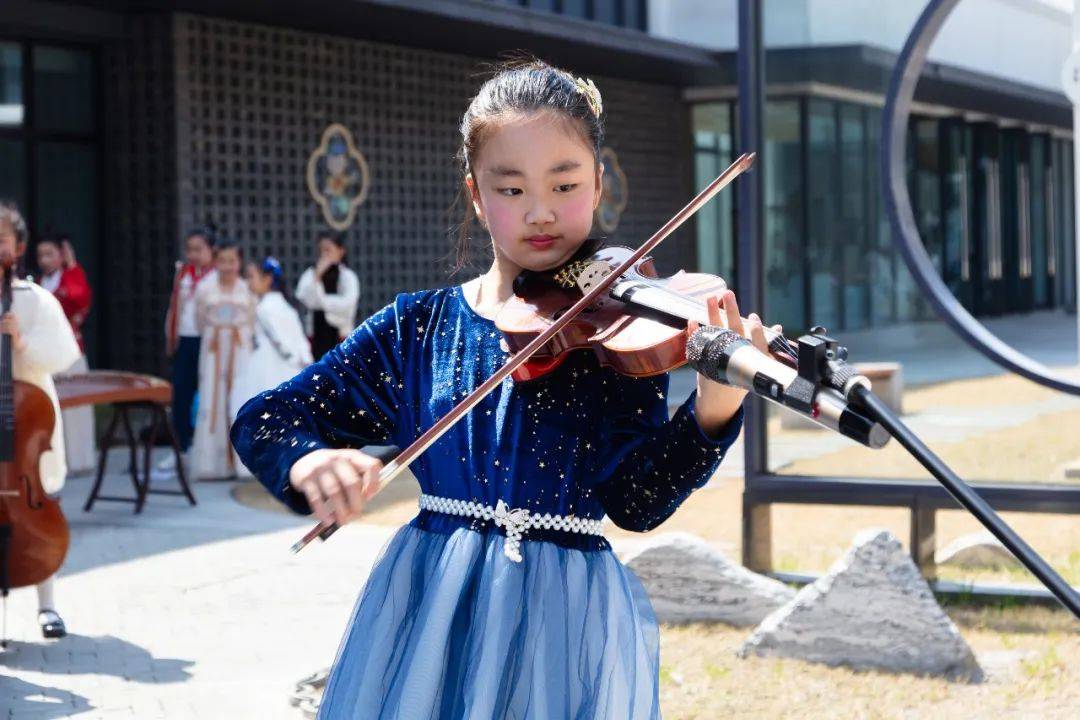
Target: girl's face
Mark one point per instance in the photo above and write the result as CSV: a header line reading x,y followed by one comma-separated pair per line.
x,y
535,185
329,249
227,263
259,283
48,257
198,252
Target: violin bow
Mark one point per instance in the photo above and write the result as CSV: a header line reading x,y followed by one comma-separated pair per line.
x,y
391,470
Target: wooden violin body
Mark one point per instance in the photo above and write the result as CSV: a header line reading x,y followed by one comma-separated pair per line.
x,y
638,329
39,534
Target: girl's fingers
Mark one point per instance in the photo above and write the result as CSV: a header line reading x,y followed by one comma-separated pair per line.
x,y
731,309
332,496
757,333
353,486
315,500
712,308
371,482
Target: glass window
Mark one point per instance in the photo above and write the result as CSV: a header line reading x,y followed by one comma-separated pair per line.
x,y
634,14
576,8
1068,227
785,301
823,231
987,268
607,11
853,236
713,149
11,100
13,172
63,90
1039,259
956,213
881,257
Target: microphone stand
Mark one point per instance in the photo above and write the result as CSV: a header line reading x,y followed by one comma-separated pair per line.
x,y
823,361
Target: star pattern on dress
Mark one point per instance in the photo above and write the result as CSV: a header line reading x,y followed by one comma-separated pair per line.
x,y
594,445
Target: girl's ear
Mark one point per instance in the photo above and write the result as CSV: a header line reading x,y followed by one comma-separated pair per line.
x,y
20,249
474,197
598,193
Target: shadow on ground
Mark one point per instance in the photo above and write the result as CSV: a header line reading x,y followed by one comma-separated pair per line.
x,y
101,655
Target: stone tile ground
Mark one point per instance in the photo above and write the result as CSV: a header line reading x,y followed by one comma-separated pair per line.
x,y
183,612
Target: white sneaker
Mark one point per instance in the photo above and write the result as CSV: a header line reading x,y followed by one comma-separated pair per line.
x,y
167,463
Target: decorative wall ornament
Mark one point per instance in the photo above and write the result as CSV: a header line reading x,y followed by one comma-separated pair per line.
x,y
338,177
614,192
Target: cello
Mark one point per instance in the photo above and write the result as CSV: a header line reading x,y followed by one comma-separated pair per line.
x,y
34,534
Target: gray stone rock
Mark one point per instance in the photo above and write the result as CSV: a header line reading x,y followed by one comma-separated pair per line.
x,y
872,610
976,550
689,580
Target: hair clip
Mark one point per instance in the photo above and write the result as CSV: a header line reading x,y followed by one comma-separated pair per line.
x,y
592,95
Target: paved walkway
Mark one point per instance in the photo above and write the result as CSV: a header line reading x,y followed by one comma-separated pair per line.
x,y
183,612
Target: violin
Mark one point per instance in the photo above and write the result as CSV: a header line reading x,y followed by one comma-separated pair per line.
x,y
638,328
544,340
34,534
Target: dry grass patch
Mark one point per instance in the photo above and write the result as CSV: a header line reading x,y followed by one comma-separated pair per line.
x,y
1031,675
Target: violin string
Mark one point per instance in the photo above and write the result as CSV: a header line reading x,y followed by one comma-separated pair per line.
x,y
785,351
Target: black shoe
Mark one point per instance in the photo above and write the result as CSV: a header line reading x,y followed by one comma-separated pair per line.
x,y
52,625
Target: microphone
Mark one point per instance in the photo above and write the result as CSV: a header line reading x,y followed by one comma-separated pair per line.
x,y
728,358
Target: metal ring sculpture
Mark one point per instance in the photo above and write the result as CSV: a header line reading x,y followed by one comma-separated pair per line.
x,y
905,76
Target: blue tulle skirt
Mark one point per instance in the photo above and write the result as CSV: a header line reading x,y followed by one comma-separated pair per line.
x,y
448,628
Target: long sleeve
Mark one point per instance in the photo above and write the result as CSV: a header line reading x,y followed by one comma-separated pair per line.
x,y
172,315
648,464
50,345
350,398
202,304
74,295
343,302
307,290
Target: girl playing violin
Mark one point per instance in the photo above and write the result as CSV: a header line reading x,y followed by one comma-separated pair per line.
x,y
460,618
42,343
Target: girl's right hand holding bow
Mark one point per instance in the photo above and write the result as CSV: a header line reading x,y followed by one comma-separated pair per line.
x,y
336,483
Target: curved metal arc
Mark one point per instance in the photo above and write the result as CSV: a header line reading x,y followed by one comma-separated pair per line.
x,y
902,218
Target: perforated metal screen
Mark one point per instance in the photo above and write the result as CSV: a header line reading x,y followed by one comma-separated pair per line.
x,y
222,127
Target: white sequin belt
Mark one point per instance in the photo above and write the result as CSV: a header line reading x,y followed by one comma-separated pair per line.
x,y
516,521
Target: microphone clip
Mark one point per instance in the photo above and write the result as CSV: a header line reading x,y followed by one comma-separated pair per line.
x,y
823,361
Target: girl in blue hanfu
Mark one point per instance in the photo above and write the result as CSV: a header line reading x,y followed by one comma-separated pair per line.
x,y
456,620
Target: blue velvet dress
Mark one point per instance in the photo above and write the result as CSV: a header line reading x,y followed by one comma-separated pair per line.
x,y
447,626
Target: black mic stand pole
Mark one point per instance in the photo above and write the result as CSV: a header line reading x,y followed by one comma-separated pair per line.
x,y
822,358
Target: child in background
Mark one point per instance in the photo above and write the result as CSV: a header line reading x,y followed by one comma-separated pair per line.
x,y
225,310
182,336
62,275
42,343
281,347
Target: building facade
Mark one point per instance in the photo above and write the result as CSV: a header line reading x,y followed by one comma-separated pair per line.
x,y
126,123
989,146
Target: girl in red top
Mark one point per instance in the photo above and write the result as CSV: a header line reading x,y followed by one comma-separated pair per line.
x,y
62,275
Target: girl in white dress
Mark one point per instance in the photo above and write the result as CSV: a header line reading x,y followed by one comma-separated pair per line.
x,y
281,347
42,343
225,311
